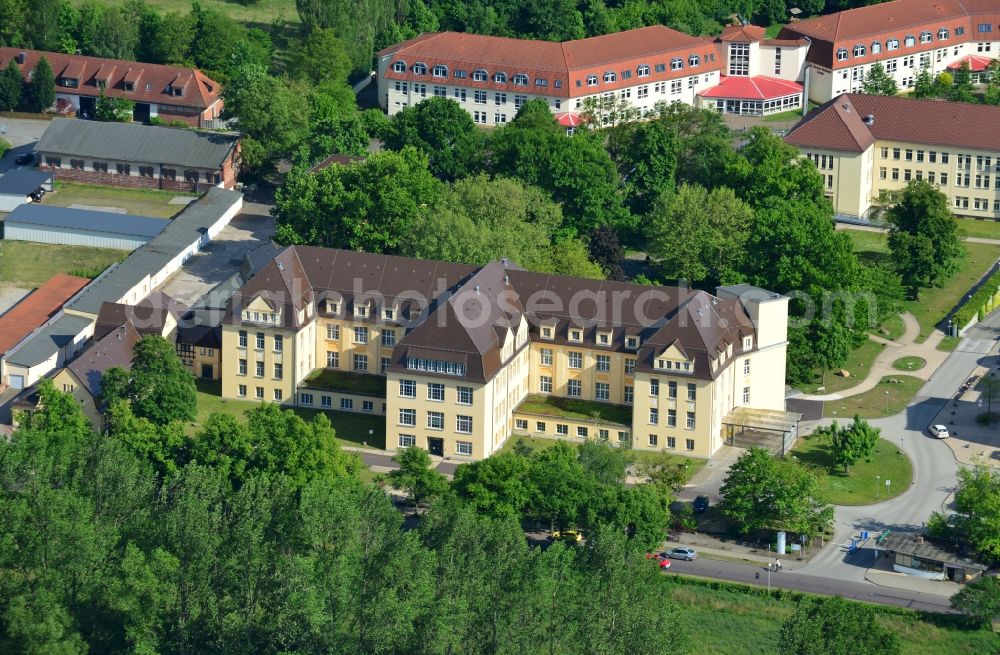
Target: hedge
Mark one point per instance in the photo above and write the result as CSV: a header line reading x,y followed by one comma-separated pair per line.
x,y
982,302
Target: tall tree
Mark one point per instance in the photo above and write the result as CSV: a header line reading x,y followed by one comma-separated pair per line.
x,y
924,237
962,89
416,476
977,502
833,626
851,442
42,91
879,83
358,22
442,130
321,57
923,85
606,251
42,26
989,388
696,234
11,83
496,486
980,599
158,386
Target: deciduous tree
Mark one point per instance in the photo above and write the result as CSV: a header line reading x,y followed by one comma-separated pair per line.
x,y
443,131
416,476
833,626
158,386
879,83
980,599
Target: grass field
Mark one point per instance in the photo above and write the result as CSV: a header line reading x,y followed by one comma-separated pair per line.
x,y
980,229
141,202
725,622
352,429
892,328
885,399
27,264
858,363
933,304
573,409
911,363
949,343
264,12
859,486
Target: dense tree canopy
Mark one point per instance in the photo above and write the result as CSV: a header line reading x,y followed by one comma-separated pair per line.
x,y
834,626
158,386
851,442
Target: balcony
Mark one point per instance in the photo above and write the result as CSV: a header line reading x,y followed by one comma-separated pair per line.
x,y
573,409
345,382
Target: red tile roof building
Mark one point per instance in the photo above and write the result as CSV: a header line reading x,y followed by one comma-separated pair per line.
x,y
167,92
863,145
903,35
37,308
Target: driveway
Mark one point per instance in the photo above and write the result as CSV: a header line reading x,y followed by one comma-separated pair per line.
x,y
22,134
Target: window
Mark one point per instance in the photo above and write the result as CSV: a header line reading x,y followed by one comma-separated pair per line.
x,y
407,389
746,395
842,54
440,91
609,77
408,417
435,420
942,34
545,384
690,421
983,28
243,338
925,37
241,391
777,61
463,448
654,387
892,44
279,343
591,80
326,401
642,70
689,444
399,67
575,335
500,78
384,365
461,74
479,97
562,428
435,392
332,359
859,50
890,66
465,395
419,69
347,403
876,47
602,391
499,99
439,71
671,389
260,341
259,369
123,169
539,426
102,167
463,424
895,173
882,173
642,92
460,95
480,117
909,41
629,366
675,87
407,441
243,367
361,363
279,371
574,389
499,118
672,418
519,101
626,74
629,395
654,416
360,335
258,393
692,389
545,356
306,398
659,68
694,60
402,87
575,359
603,363
541,81
676,64
632,342
653,440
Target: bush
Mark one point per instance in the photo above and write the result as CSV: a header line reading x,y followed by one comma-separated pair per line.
x,y
4,147
981,301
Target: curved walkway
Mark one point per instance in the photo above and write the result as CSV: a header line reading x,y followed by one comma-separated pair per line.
x,y
905,346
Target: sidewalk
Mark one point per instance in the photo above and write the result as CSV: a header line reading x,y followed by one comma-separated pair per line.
x,y
905,346
885,577
969,441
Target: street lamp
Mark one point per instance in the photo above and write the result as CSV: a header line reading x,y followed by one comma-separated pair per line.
x,y
887,402
878,479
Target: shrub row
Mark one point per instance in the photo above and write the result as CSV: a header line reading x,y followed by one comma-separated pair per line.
x,y
981,302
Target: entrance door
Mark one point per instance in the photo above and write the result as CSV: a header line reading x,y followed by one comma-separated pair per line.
x,y
207,371
87,107
435,446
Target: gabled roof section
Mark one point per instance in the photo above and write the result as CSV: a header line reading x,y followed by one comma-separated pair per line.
x,y
623,46
836,125
36,308
741,34
114,350
896,15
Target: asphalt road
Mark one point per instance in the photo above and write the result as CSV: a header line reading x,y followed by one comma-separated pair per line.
x,y
797,581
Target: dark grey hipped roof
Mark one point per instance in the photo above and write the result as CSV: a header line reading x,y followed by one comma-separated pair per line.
x,y
22,181
133,142
87,220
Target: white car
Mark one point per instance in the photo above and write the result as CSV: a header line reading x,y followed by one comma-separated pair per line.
x,y
939,431
682,553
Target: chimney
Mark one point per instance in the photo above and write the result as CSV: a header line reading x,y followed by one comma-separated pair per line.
x,y
920,538
870,120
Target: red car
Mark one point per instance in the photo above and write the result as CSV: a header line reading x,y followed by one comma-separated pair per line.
x,y
661,559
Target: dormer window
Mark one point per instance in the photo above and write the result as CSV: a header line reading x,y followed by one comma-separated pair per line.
x,y
925,37
892,44
461,73
576,335
632,343
520,80
909,41
128,86
609,77
694,60
546,333
876,47
591,80
419,69
943,34
841,54
102,84
70,82
388,314
440,71
399,67
479,75
747,343
603,338
643,70
859,50
500,78
332,307
361,310
676,64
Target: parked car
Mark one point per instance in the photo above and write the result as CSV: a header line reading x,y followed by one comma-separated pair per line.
x,y
701,504
569,536
939,431
684,553
26,158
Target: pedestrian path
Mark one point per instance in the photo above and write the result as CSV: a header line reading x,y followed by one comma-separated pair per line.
x,y
904,346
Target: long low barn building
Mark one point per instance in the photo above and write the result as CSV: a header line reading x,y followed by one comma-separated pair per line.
x,y
81,227
17,186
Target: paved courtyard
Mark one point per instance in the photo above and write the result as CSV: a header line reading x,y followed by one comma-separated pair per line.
x,y
10,296
22,134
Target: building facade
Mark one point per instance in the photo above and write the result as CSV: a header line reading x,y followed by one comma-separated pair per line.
x,y
903,35
459,358
170,93
865,145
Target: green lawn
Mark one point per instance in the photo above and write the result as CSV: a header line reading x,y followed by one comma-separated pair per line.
x,y
570,408
347,382
141,202
949,343
892,328
933,304
771,31
911,363
885,399
980,229
29,264
262,12
728,622
352,429
859,486
790,115
858,363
